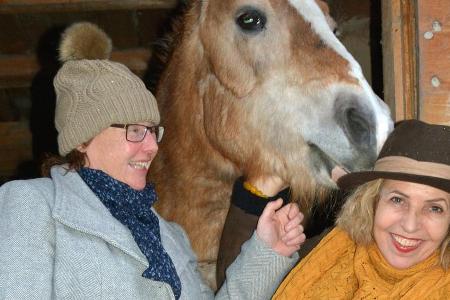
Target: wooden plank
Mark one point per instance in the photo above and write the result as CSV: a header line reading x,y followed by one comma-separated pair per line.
x,y
15,146
13,39
19,70
434,58
33,6
399,58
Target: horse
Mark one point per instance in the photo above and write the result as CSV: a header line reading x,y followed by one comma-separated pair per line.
x,y
257,87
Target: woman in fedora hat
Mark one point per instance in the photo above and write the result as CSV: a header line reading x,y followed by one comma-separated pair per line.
x,y
392,235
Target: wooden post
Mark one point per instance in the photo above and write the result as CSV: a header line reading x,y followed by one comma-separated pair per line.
x,y
399,58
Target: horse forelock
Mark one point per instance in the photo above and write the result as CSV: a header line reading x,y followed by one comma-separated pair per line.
x,y
164,46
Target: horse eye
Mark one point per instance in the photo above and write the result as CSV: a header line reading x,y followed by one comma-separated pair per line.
x,y
251,21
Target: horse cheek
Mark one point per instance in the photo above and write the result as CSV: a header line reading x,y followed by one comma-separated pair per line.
x,y
231,68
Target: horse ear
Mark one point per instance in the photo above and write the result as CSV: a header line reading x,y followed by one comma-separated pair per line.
x,y
326,11
230,67
323,6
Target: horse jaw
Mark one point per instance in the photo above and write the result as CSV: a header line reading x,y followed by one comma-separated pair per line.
x,y
307,133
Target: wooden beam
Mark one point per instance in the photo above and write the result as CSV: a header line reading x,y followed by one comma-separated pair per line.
x,y
18,71
399,58
33,6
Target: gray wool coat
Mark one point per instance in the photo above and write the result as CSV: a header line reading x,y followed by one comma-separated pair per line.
x,y
58,241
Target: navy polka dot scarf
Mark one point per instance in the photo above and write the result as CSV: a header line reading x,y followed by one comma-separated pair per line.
x,y
132,208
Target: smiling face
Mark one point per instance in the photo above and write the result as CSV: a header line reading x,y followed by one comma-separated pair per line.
x,y
128,162
411,221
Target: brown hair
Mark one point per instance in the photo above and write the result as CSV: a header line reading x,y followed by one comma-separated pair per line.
x,y
357,216
74,160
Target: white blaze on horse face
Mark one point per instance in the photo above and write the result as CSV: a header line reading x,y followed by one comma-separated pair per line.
x,y
310,12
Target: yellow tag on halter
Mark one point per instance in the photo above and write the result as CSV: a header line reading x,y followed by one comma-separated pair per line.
x,y
252,189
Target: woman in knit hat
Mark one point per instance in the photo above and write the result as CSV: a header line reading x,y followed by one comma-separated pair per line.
x,y
89,231
392,235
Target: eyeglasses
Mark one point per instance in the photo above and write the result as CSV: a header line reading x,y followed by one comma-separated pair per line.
x,y
135,133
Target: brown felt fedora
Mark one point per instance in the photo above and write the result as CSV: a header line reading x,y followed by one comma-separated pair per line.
x,y
416,152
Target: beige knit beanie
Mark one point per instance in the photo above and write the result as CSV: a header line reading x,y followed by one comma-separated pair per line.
x,y
93,92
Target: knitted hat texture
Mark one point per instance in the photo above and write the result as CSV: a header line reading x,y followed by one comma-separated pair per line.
x,y
94,92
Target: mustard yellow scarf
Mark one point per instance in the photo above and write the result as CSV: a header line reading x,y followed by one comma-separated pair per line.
x,y
339,269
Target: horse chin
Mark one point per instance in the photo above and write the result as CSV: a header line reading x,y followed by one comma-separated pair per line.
x,y
326,170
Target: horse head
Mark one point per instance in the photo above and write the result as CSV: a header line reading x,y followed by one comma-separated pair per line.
x,y
283,94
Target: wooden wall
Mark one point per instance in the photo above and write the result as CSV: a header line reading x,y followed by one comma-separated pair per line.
x,y
433,36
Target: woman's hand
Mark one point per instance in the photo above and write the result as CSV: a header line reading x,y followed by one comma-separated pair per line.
x,y
280,228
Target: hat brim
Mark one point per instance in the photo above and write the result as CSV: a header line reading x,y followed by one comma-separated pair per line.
x,y
352,180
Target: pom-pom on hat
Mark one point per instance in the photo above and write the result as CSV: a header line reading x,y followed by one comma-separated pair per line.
x,y
416,152
93,92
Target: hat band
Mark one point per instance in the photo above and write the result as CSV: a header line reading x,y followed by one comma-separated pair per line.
x,y
401,164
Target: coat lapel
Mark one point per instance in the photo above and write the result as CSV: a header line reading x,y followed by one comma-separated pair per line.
x,y
76,206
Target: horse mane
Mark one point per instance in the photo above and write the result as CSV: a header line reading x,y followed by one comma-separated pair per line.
x,y
163,47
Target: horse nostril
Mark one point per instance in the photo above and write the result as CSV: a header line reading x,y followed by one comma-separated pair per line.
x,y
354,116
357,127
